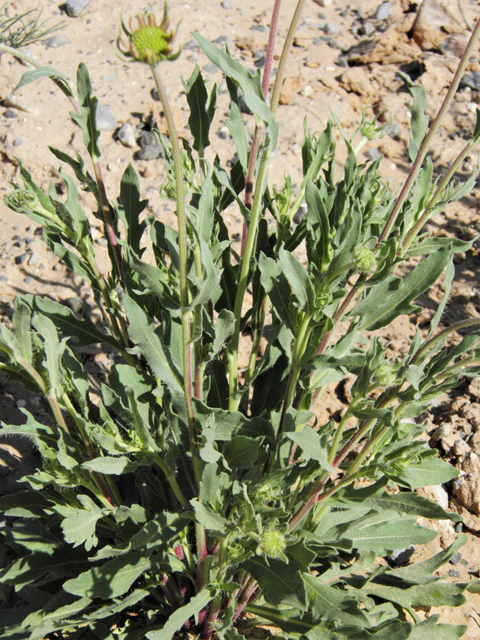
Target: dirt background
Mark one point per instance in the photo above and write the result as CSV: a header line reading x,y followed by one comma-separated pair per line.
x,y
346,56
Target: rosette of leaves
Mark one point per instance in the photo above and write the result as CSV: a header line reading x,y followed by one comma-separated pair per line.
x,y
21,30
182,502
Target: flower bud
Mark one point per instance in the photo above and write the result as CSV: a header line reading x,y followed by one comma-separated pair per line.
x,y
364,259
273,543
22,201
386,375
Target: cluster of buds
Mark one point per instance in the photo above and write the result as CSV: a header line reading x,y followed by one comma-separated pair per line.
x,y
148,42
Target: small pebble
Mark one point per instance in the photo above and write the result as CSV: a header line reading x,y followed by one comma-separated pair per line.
x,y
464,562
260,62
373,154
307,91
221,40
56,41
384,11
76,7
210,68
10,113
34,259
4,279
149,152
28,280
23,258
76,304
367,29
442,431
401,556
106,121
331,29
102,242
17,142
147,138
471,80
324,3
455,559
223,133
126,135
453,573
226,4
21,403
298,217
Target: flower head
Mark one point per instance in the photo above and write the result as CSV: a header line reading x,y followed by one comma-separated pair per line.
x,y
148,42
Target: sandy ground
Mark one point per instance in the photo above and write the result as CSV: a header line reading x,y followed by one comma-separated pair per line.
x,y
317,82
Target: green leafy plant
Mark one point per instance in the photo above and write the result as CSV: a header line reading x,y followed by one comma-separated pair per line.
x,y
23,29
197,497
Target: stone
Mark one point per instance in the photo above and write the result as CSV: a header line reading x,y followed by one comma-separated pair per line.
x,y
384,11
453,573
367,29
106,121
298,217
56,41
455,559
323,3
220,40
226,4
291,86
147,138
435,493
22,259
76,304
356,80
469,491
471,412
331,29
453,46
28,280
394,131
149,152
435,19
126,135
392,47
223,133
76,7
402,556
474,388
471,80
10,113
373,154
210,68
17,142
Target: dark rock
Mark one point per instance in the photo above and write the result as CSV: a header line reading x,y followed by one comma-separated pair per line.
x,y
22,259
367,29
260,62
402,556
243,105
147,138
373,154
455,559
221,40
10,113
395,130
150,152
76,7
471,80
298,217
453,573
341,61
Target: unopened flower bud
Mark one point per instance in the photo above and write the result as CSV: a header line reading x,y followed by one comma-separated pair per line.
x,y
386,375
364,259
273,543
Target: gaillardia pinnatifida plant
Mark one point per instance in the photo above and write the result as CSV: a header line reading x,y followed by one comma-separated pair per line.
x,y
148,42
202,494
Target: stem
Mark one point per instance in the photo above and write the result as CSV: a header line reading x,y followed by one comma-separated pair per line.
x,y
172,481
442,334
183,271
431,133
444,182
247,594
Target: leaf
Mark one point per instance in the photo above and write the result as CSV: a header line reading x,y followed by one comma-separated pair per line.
x,y
131,209
318,227
88,118
82,175
78,525
392,298
53,350
112,579
251,85
75,211
70,258
148,338
429,471
280,583
199,120
82,331
428,629
178,619
236,126
420,119
241,452
434,594
299,280
334,604
204,218
45,72
110,466
224,328
22,331
276,285
312,446
208,518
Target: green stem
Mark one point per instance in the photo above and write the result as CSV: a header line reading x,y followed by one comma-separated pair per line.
x,y
172,481
463,324
431,133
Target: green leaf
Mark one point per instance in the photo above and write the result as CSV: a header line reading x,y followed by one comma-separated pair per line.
x,y
82,175
318,227
236,126
428,629
281,583
312,446
299,280
199,120
434,594
110,466
148,338
45,72
178,619
131,209
392,298
251,85
73,262
224,327
276,285
334,604
22,331
88,118
242,452
78,525
208,518
112,579
54,350
420,119
204,218
429,471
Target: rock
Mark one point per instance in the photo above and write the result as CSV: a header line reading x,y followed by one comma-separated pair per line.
x,y
474,388
106,121
28,280
10,113
453,46
220,40
469,492
226,4
470,520
401,556
17,142
149,152
223,133
367,29
331,29
290,88
442,431
434,20
210,68
471,412
22,259
455,559
76,7
392,47
298,217
76,304
453,573
147,138
56,41
126,135
356,80
471,80
435,493
395,130
384,11
4,279
323,3
243,105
